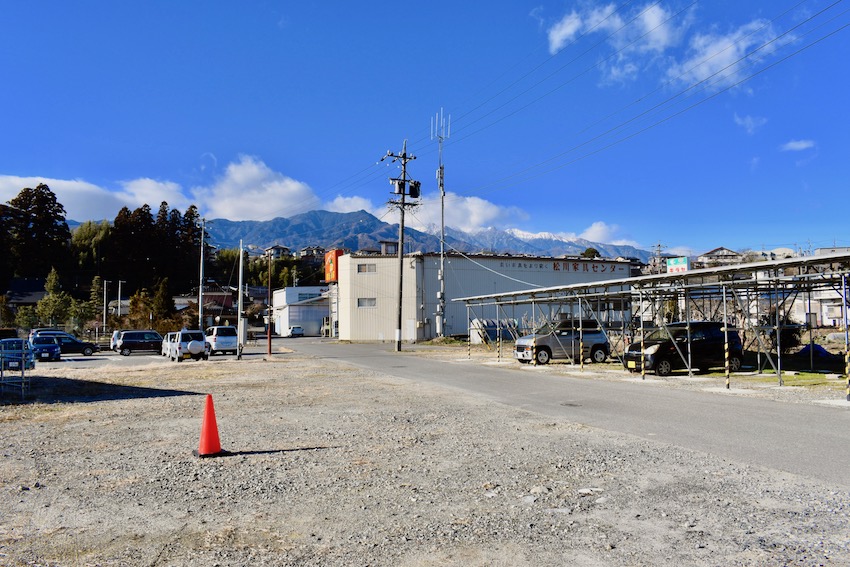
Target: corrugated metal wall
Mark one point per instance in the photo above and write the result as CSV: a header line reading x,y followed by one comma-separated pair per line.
x,y
464,277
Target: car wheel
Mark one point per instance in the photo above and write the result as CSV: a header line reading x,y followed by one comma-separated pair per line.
x,y
543,356
598,354
88,351
125,351
663,367
735,363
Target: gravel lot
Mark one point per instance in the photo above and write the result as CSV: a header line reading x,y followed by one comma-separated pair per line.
x,y
335,466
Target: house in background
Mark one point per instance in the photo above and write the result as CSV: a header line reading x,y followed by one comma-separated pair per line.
x,y
719,257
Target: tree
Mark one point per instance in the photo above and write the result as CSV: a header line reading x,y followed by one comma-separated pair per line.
x,y
141,309
591,253
7,318
89,310
26,317
39,233
163,303
55,307
89,243
7,264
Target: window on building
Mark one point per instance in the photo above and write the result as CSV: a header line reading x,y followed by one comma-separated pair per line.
x,y
367,268
364,302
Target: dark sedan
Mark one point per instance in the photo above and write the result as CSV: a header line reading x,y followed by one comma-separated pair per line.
x,y
70,345
46,347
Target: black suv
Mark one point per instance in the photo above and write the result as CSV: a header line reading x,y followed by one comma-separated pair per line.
x,y
707,348
131,341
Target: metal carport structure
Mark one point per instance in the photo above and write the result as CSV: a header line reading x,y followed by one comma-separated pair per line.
x,y
754,297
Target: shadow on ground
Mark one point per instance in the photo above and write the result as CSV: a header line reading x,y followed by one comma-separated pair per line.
x,y
53,390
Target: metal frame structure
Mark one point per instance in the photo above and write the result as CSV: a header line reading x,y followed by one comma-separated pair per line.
x,y
754,297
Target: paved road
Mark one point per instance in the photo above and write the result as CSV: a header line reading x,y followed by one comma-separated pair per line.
x,y
806,439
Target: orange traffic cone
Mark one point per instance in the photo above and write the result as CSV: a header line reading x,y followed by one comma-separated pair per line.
x,y
209,446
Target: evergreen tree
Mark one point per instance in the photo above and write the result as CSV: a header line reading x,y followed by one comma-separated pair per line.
x,y
163,303
7,317
39,234
55,307
26,317
591,253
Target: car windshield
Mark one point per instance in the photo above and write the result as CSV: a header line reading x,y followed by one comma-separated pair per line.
x,y
12,344
663,334
43,341
227,332
193,336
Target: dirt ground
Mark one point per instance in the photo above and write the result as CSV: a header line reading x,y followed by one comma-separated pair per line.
x,y
333,465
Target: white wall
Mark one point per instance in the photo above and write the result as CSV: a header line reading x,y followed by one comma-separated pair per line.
x,y
464,277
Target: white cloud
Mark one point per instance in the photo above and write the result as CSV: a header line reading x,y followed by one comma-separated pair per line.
x,y
647,29
350,204
602,232
797,145
138,192
599,232
250,190
721,59
750,123
82,200
464,213
564,31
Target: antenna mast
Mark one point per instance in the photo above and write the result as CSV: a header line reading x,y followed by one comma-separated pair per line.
x,y
441,131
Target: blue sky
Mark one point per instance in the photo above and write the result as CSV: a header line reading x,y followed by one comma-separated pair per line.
x,y
686,124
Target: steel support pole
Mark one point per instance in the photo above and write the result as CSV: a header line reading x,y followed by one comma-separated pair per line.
x,y
726,339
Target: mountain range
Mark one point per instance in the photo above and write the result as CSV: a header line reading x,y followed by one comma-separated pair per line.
x,y
362,231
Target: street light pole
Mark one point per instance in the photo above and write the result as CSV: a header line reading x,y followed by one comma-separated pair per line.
x,y
269,309
105,302
201,282
239,322
119,299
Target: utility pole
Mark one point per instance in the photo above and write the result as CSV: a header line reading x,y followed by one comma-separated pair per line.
x,y
403,187
105,302
439,130
201,277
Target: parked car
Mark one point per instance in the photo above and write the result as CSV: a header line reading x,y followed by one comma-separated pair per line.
x,y
666,348
16,354
189,344
131,341
72,345
46,331
295,331
166,342
222,339
562,341
46,347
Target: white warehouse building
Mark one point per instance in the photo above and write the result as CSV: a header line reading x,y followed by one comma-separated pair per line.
x,y
305,306
365,301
